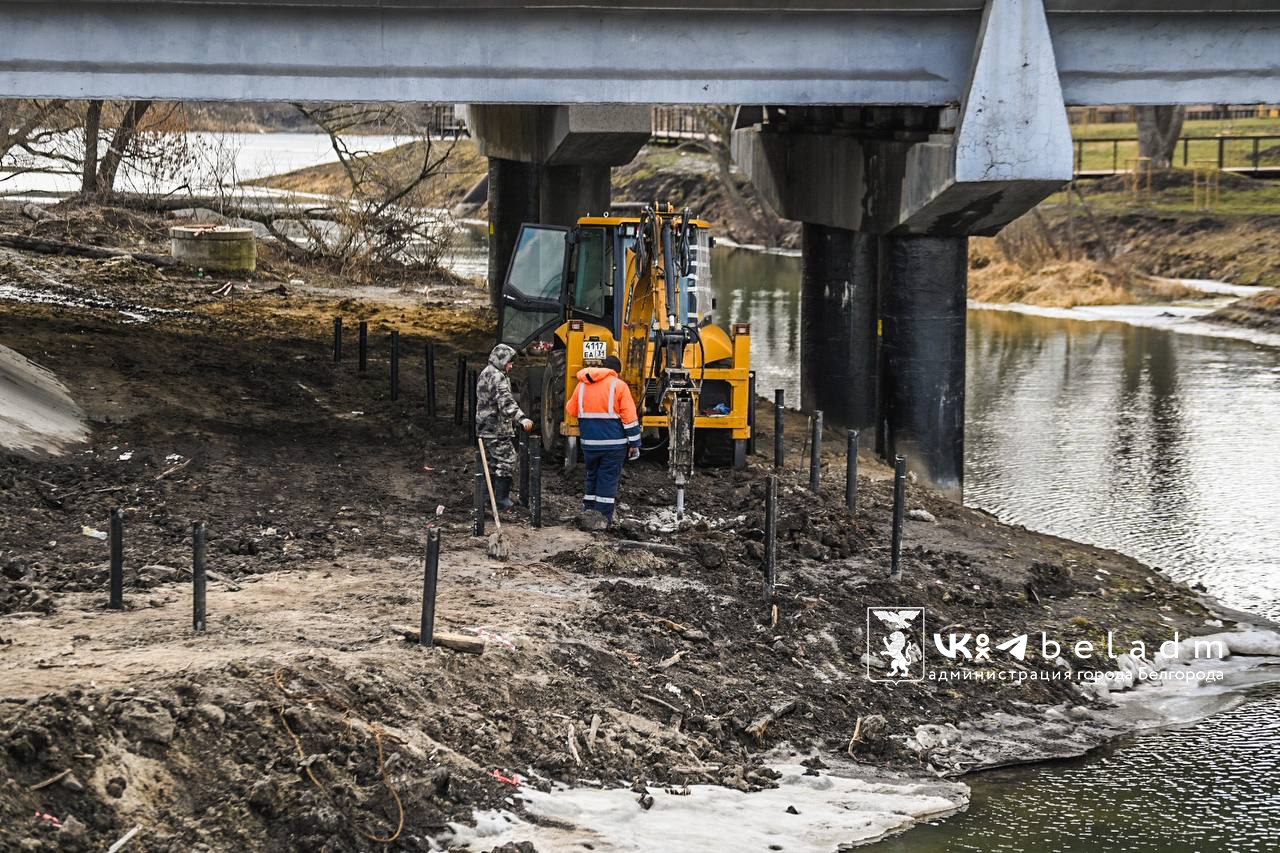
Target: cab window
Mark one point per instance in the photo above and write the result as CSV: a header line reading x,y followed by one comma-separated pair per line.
x,y
538,263
593,269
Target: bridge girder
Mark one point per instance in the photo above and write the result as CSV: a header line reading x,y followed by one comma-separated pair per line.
x,y
723,51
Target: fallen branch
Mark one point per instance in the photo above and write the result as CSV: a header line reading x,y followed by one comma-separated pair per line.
x,y
573,747
673,660
46,246
664,703
762,723
175,469
124,839
857,736
47,782
456,642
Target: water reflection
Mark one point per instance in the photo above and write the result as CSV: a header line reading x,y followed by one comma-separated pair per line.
x,y
1191,789
763,290
1159,445
1156,444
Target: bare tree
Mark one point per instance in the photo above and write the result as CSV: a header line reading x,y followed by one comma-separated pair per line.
x,y
27,128
1159,128
378,222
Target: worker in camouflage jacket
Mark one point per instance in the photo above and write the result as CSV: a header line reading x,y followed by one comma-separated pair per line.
x,y
497,412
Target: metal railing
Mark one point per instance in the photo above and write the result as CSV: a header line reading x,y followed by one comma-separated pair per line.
x,y
1242,154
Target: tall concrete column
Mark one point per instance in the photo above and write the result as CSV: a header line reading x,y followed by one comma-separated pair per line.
x,y
922,307
838,346
569,192
513,200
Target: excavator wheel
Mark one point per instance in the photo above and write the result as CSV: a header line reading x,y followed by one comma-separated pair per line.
x,y
552,409
713,448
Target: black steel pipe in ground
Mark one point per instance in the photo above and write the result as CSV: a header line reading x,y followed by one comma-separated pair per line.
x,y
922,355
899,508
395,365
116,537
337,339
429,357
851,472
430,574
363,347
770,535
199,582
779,404
478,499
472,394
525,441
751,411
815,453
460,390
535,481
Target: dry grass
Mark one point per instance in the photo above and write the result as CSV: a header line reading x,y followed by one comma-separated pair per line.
x,y
993,277
458,174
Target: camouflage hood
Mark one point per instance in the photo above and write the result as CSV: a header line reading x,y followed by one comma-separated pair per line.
x,y
501,356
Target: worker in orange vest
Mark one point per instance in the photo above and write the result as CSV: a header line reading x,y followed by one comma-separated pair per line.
x,y
609,430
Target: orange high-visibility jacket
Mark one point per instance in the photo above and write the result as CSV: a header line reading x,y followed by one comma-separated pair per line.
x,y
605,411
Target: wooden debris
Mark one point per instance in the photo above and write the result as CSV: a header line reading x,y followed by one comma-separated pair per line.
x,y
758,728
454,642
47,782
573,746
46,246
124,839
175,469
664,703
591,733
673,660
857,736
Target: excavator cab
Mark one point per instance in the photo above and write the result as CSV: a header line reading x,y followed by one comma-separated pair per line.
x,y
639,288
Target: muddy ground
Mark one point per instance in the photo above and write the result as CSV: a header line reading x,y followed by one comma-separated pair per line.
x,y
301,719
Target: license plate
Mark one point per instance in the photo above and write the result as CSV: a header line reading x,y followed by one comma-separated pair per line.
x,y
594,350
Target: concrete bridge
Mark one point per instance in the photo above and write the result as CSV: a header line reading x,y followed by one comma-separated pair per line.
x,y
893,129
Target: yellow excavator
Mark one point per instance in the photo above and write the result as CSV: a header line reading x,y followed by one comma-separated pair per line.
x,y
639,288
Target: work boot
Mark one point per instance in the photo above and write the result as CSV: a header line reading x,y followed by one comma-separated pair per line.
x,y
502,492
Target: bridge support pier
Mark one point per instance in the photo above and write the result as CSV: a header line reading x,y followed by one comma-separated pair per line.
x,y
549,165
838,340
923,180
513,200
572,191
922,355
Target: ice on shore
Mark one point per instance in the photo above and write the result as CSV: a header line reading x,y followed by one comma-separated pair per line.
x,y
826,811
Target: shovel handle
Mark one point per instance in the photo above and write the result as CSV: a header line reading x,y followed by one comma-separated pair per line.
x,y
493,501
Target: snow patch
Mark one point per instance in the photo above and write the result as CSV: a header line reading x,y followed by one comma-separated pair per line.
x,y
826,811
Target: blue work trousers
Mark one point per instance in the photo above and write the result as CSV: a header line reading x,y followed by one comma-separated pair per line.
x,y
604,470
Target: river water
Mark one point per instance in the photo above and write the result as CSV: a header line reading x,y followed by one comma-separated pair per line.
x,y
209,160
1157,444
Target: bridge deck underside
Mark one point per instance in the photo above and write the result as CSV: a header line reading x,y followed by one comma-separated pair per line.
x,y
442,51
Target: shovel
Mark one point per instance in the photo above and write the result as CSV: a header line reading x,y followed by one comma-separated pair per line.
x,y
499,546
